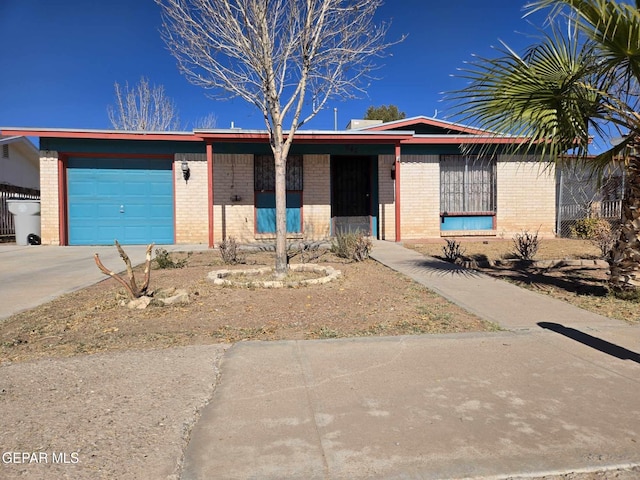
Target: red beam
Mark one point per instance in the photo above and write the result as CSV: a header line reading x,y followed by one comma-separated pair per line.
x,y
62,199
397,160
101,135
210,190
462,140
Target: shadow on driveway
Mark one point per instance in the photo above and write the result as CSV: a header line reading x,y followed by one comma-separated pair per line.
x,y
591,341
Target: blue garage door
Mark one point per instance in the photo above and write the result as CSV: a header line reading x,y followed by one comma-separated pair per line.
x,y
130,200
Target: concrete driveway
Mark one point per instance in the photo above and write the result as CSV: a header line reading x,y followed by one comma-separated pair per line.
x,y
32,275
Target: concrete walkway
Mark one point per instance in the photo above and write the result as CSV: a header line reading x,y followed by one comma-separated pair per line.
x,y
494,300
556,392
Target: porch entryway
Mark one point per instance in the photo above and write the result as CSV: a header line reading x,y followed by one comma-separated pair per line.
x,y
354,194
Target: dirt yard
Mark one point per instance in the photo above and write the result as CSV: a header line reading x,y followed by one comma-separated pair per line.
x,y
367,299
129,415
567,269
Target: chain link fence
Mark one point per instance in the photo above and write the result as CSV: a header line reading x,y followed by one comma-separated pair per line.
x,y
581,196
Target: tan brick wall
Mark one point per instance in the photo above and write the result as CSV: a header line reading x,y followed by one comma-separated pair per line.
x,y
526,192
233,203
234,211
191,212
386,198
316,198
420,196
49,213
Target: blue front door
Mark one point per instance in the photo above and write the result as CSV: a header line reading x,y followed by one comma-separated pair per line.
x,y
128,199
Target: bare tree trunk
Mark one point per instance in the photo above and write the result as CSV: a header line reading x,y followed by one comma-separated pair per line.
x,y
625,257
276,55
281,214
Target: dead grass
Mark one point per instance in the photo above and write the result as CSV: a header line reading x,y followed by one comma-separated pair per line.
x,y
368,299
583,285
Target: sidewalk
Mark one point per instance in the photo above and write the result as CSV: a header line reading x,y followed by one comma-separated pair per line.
x,y
527,401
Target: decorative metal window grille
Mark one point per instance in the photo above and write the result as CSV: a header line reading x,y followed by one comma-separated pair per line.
x,y
467,184
5,150
265,173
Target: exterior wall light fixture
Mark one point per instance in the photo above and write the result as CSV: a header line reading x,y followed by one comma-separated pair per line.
x,y
186,171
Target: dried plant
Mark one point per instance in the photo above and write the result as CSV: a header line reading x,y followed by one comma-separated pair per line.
x,y
452,251
526,244
354,246
131,287
230,251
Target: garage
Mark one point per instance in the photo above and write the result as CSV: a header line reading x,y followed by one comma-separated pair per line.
x,y
128,199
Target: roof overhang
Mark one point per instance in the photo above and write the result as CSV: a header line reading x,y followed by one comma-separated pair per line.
x,y
99,134
226,135
463,140
455,128
308,136
368,136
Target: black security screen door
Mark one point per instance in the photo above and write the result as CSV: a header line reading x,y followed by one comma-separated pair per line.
x,y
351,193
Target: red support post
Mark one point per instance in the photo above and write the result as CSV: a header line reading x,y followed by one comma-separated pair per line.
x,y
397,165
210,190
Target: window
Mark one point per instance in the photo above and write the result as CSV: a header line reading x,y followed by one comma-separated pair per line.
x,y
265,173
265,195
467,192
467,184
5,150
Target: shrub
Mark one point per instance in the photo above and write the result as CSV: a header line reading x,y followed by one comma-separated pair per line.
x,y
526,244
604,237
164,260
452,251
586,227
353,246
230,252
309,251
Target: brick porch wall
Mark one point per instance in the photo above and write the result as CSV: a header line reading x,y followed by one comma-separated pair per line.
x,y
526,192
49,199
386,198
233,207
420,196
316,209
191,212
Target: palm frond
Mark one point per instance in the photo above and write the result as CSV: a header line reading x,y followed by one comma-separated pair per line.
x,y
547,96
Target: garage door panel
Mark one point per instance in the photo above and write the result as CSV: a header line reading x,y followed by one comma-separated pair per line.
x,y
83,211
106,187
133,232
160,231
119,198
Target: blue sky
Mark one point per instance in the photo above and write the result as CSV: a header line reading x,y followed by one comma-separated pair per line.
x,y
61,58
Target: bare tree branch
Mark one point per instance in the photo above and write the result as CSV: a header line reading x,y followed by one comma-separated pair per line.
x,y
143,108
131,287
114,275
286,57
147,270
208,121
127,262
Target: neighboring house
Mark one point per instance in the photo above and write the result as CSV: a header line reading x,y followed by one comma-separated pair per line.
x,y
396,181
19,175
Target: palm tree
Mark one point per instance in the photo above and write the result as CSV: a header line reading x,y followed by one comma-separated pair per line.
x,y
578,81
